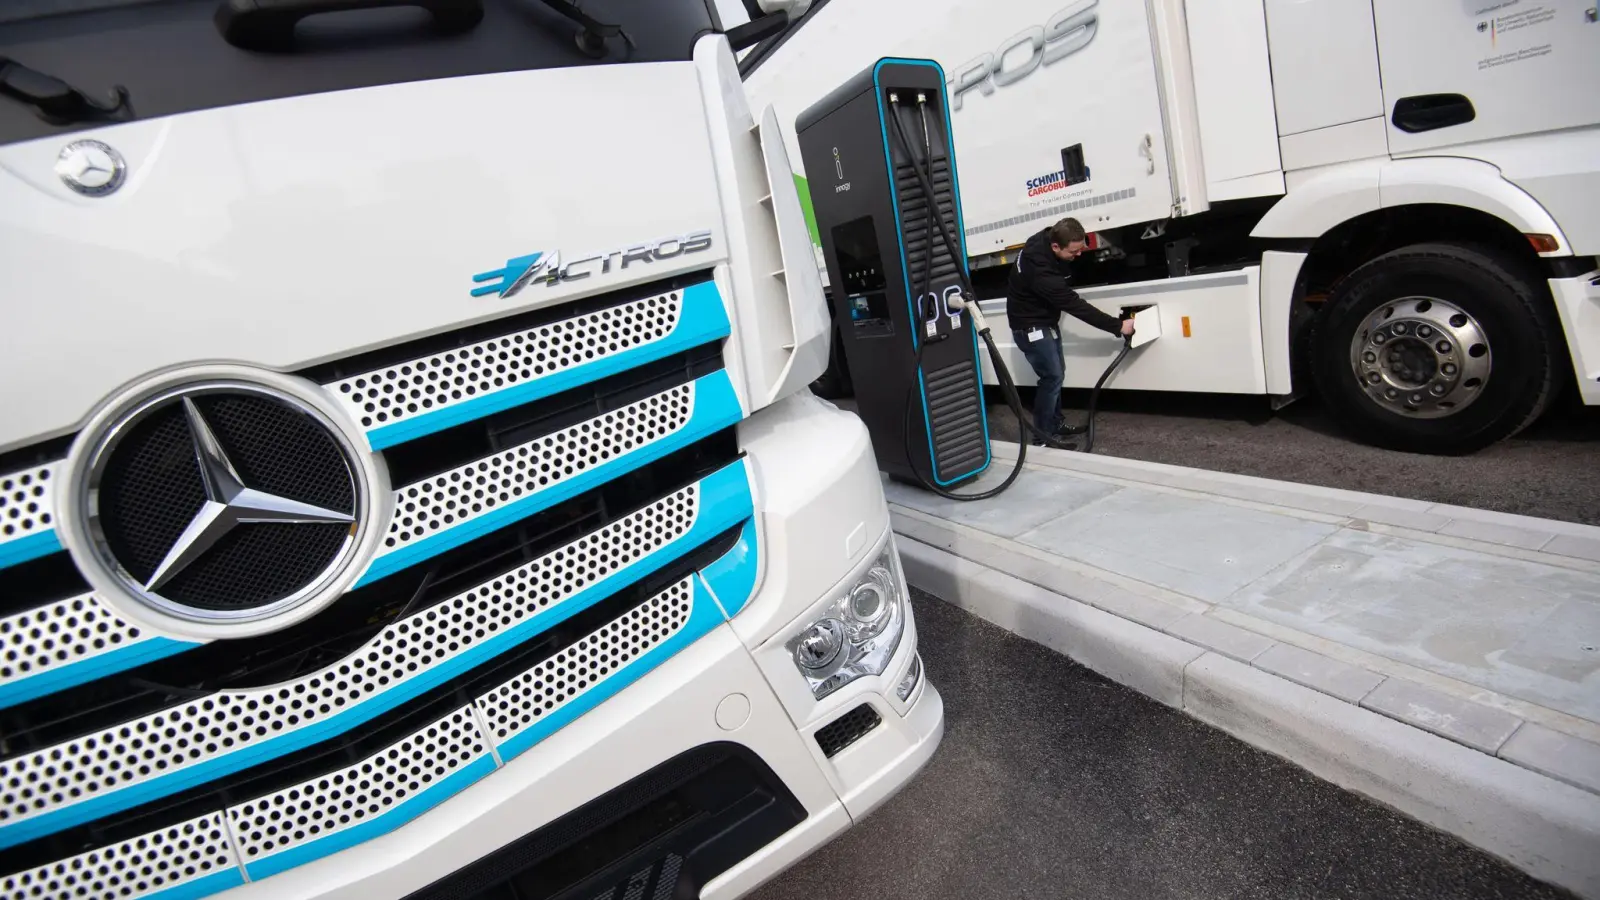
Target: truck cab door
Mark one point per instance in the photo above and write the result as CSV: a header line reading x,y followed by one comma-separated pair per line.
x,y
1465,71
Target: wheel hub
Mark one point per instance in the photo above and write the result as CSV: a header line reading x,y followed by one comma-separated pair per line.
x,y
1421,357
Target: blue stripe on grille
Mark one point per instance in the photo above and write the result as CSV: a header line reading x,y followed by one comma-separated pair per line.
x,y
393,818
732,578
31,547
703,319
215,883
725,501
705,616
716,406
86,670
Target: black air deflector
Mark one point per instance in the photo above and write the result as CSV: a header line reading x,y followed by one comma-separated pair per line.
x,y
661,835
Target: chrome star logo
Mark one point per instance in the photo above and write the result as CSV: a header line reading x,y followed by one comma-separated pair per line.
x,y
91,168
229,503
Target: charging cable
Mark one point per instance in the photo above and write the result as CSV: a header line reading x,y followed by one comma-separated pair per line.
x,y
961,302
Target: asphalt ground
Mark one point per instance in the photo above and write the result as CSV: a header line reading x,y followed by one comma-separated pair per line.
x,y
1055,783
1551,470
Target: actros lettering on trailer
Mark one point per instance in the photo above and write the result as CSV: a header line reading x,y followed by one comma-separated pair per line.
x,y
521,271
1067,32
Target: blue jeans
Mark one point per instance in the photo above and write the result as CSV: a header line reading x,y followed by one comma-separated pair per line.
x,y
1044,355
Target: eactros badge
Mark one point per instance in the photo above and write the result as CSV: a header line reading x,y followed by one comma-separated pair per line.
x,y
223,501
92,168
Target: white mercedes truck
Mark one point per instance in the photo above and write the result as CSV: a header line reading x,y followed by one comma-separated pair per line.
x,y
408,481
1394,201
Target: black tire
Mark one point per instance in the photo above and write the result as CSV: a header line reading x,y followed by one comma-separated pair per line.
x,y
834,383
1510,307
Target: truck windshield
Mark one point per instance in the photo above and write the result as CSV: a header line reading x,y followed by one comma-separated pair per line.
x,y
63,61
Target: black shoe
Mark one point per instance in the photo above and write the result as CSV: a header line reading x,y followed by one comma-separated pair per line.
x,y
1071,430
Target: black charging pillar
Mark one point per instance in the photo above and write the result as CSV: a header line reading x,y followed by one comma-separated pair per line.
x,y
913,357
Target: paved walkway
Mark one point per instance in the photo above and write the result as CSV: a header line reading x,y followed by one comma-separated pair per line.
x,y
1481,627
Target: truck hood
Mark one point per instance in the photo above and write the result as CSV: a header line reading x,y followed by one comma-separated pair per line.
x,y
287,233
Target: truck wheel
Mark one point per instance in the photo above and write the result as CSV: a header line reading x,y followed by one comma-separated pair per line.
x,y
1435,348
834,382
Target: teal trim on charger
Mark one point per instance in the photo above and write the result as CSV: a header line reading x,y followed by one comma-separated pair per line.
x,y
86,670
215,883
703,319
905,265
725,500
703,617
716,406
388,821
732,577
31,547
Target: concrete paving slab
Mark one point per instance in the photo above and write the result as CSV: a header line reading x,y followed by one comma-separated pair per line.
x,y
1203,549
1497,533
1573,760
1515,627
1142,658
1475,725
1036,497
1314,670
1139,608
1543,826
1569,545
1403,518
1230,640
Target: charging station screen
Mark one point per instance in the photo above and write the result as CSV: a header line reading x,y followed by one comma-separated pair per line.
x,y
861,264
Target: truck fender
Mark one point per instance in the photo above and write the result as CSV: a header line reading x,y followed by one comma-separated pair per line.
x,y
1319,201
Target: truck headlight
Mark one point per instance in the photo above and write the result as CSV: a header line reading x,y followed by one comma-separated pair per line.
x,y
857,634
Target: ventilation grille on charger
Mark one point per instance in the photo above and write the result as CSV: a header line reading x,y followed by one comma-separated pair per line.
x,y
847,729
915,222
955,420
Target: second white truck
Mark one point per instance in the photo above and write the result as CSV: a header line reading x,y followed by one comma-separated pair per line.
x,y
1396,201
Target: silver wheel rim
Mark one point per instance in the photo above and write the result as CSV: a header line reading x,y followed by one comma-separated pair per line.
x,y
1421,357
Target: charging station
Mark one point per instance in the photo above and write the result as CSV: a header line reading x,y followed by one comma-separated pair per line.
x,y
868,148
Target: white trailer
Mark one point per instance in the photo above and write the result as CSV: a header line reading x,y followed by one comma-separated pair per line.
x,y
1395,200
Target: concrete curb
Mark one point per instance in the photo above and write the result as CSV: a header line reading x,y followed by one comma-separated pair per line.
x,y
1542,826
1505,529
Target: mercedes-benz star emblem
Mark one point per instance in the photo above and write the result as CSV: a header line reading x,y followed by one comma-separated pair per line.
x,y
224,502
228,503
91,168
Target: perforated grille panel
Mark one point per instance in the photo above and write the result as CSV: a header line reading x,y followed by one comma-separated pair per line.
x,y
261,828
47,637
358,793
396,393
465,492
134,868
25,502
547,687
214,726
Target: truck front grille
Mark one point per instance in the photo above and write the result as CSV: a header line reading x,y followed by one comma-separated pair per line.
x,y
563,496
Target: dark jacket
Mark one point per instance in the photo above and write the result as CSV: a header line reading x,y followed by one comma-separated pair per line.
x,y
1037,293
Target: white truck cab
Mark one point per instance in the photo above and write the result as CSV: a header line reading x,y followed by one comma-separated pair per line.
x,y
408,482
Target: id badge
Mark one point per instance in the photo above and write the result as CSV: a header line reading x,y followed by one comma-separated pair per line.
x,y
1035,335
